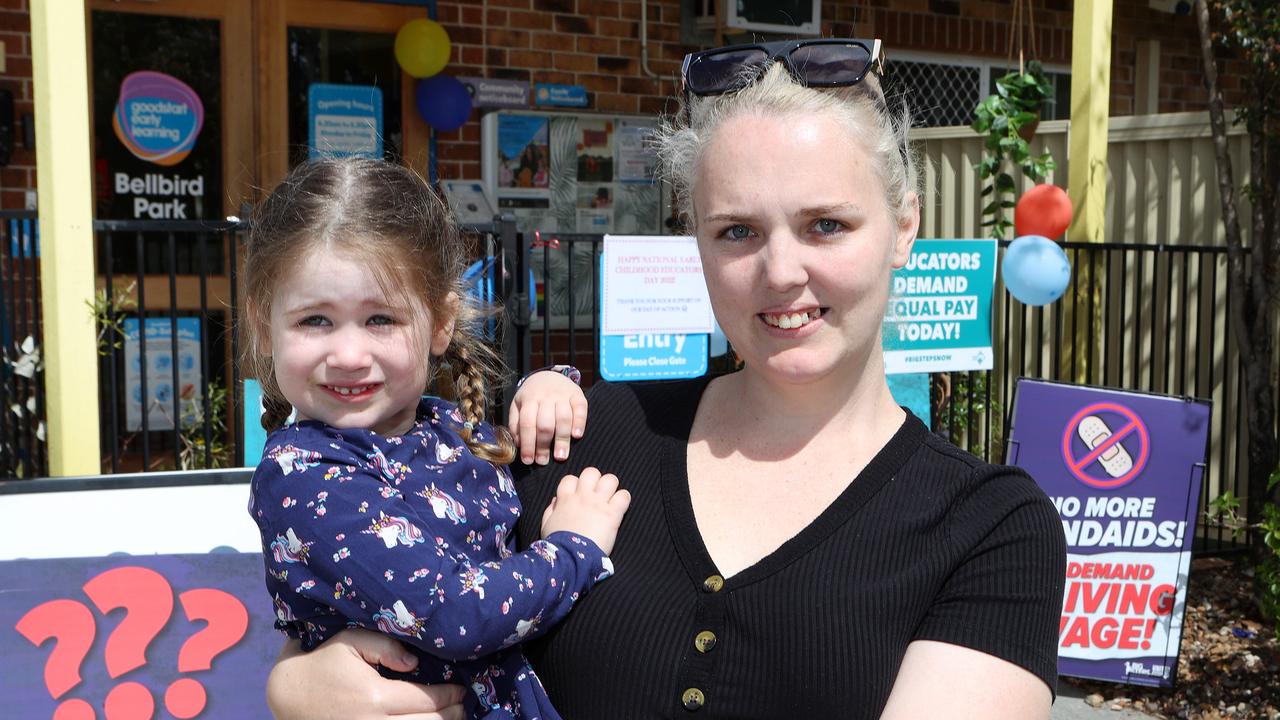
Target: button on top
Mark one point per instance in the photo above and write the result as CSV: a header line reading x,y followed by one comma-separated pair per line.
x,y
704,641
693,699
713,584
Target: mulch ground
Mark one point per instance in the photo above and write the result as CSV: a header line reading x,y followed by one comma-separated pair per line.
x,y
1229,666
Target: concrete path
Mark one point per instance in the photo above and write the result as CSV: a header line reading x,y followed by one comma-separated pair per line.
x,y
1070,705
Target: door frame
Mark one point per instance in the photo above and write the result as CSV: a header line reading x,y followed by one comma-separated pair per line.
x,y
239,172
273,19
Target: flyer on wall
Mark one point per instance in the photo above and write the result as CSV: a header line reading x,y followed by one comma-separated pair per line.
x,y
1123,470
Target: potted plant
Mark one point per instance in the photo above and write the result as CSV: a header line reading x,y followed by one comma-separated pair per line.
x,y
1008,118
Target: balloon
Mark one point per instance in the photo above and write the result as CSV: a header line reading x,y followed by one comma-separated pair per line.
x,y
1043,210
1035,270
443,102
422,47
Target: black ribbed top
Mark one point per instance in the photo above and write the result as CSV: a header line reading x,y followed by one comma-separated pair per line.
x,y
926,543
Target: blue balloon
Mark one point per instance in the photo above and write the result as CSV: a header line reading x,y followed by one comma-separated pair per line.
x,y
443,102
1035,270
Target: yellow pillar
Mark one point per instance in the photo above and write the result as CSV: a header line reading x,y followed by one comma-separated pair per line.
x,y
1087,182
59,66
1090,103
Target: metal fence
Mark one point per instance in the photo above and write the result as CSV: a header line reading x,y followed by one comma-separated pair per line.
x,y
1137,316
22,449
1150,318
165,310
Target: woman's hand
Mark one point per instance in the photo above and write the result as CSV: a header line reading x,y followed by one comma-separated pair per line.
x,y
338,680
546,412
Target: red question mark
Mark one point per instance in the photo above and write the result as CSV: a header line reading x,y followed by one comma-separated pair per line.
x,y
148,602
73,627
227,621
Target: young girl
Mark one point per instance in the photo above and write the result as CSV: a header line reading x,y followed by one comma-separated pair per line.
x,y
379,508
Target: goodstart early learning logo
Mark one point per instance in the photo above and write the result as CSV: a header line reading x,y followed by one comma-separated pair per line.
x,y
158,117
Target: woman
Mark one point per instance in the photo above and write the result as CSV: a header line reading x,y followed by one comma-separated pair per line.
x,y
797,545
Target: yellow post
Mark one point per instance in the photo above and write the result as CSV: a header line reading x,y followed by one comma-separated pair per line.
x,y
59,64
1087,173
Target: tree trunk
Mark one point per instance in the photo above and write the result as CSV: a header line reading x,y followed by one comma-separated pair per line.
x,y
1253,291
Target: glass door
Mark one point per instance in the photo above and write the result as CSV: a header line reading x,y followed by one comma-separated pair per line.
x,y
320,54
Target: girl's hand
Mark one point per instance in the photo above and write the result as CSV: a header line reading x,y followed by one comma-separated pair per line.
x,y
590,505
547,410
338,680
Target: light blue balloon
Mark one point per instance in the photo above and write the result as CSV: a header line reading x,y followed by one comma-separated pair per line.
x,y
1035,270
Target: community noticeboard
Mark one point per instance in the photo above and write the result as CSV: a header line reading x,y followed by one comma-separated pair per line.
x,y
1123,470
939,314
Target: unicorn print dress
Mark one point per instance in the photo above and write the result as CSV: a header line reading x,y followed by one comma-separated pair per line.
x,y
412,536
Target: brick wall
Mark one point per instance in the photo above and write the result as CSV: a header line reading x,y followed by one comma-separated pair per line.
x,y
15,32
595,43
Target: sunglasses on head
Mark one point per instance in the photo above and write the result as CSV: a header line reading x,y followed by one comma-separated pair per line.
x,y
820,63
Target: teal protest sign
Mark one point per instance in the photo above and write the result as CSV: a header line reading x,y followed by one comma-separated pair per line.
x,y
939,313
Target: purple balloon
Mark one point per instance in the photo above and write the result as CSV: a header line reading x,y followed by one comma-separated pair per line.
x,y
443,102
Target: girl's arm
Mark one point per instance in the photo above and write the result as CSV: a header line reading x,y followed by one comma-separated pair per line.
x,y
338,681
549,408
335,536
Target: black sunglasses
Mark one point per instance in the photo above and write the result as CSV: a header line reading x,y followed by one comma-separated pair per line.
x,y
813,63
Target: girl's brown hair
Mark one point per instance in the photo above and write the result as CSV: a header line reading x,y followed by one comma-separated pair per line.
x,y
389,217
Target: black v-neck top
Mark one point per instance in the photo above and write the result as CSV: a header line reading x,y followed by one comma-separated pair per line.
x,y
926,543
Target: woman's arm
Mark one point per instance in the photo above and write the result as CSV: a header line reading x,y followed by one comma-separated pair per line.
x,y
337,680
958,682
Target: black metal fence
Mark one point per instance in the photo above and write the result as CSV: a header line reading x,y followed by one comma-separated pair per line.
x,y
22,431
166,311
1140,317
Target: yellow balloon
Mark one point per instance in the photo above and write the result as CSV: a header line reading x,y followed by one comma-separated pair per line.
x,y
422,47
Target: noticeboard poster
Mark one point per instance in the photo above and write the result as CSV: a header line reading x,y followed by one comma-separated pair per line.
x,y
1123,470
160,365
567,172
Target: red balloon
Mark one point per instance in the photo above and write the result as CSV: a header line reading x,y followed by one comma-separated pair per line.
x,y
1042,210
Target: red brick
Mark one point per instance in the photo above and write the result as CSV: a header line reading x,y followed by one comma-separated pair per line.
x,y
549,76
555,6
618,28
576,24
616,102
471,55
599,83
531,20
498,18
530,59
521,4
509,38
547,41
497,57
574,62
597,45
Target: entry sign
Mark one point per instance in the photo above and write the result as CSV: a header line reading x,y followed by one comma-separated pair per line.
x,y
1123,470
939,314
650,355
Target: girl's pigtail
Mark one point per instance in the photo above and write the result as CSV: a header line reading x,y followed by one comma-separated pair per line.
x,y
469,383
275,410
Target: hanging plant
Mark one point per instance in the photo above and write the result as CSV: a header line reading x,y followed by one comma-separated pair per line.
x,y
1008,119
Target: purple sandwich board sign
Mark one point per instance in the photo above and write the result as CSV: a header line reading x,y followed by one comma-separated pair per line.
x,y
1123,470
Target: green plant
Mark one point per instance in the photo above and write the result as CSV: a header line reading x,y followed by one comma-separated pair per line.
x,y
1007,118
971,415
191,435
108,313
1225,511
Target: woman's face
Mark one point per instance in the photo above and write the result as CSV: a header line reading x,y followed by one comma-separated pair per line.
x,y
797,244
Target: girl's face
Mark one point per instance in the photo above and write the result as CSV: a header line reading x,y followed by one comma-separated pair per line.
x,y
797,244
346,355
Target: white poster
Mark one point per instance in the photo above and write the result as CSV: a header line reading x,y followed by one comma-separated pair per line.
x,y
160,390
653,284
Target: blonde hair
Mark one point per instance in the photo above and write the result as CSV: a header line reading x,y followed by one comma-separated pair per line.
x,y
387,216
683,138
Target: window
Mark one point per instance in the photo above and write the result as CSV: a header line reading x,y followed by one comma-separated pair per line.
x,y
944,92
